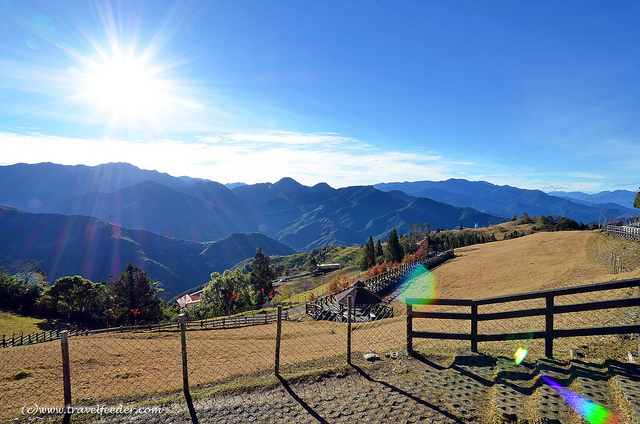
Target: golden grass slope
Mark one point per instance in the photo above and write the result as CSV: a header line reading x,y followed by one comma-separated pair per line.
x,y
534,262
11,323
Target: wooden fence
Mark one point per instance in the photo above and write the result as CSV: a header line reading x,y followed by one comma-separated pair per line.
x,y
383,281
223,322
549,312
21,339
625,231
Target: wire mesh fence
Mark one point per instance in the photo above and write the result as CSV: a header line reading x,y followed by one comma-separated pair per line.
x,y
249,366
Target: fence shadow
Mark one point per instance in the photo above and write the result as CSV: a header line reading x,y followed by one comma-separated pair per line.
x,y
300,401
406,394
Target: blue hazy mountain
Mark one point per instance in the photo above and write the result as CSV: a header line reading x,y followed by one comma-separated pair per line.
x,y
506,201
622,198
94,248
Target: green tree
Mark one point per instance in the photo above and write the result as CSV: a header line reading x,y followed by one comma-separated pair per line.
x,y
135,297
368,258
19,295
78,299
226,292
379,252
544,223
262,275
394,250
636,202
524,219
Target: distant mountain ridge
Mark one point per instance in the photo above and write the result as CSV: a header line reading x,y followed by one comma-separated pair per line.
x,y
83,245
506,201
200,210
92,221
83,220
34,187
622,198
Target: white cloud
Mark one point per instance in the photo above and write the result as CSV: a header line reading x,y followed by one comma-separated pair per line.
x,y
250,158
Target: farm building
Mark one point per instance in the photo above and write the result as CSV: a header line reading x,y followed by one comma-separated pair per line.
x,y
189,300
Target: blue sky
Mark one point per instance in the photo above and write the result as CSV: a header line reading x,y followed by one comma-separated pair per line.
x,y
532,94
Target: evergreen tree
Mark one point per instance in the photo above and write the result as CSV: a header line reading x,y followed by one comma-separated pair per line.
x,y
262,275
135,296
636,202
394,250
368,258
379,251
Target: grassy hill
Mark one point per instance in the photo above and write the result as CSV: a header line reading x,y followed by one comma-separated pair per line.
x,y
11,323
535,262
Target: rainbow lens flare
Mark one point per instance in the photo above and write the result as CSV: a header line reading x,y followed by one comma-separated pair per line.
x,y
520,354
590,411
419,287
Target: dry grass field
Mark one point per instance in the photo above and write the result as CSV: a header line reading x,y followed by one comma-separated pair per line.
x,y
147,366
535,262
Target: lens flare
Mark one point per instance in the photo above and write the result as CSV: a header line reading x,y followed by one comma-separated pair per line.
x,y
590,411
419,287
520,354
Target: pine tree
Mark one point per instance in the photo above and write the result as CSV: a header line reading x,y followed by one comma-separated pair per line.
x,y
368,255
379,251
394,250
262,275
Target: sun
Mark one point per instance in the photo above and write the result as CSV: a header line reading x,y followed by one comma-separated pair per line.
x,y
126,88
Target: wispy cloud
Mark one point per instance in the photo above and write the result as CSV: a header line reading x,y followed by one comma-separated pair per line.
x,y
261,157
307,157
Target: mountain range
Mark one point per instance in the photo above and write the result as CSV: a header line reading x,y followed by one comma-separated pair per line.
x,y
507,201
92,221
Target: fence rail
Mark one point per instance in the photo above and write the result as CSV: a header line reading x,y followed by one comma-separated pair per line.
x,y
21,339
220,322
382,281
202,367
625,231
549,312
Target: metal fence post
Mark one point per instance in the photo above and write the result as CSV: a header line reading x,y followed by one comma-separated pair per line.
x,y
548,332
66,375
409,331
278,335
349,304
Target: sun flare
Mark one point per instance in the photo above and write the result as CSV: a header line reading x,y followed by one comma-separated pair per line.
x,y
126,89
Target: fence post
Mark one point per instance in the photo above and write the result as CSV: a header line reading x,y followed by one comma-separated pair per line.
x,y
349,304
409,331
474,328
185,370
278,335
548,332
66,374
